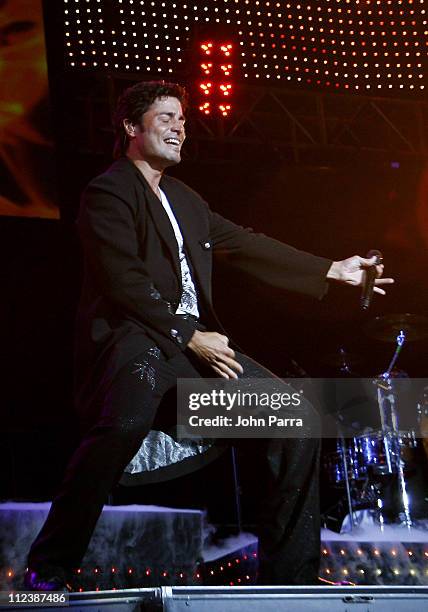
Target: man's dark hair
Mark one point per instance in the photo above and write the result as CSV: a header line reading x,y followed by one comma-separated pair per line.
x,y
135,101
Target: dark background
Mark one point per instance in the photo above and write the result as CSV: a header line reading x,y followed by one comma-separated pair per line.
x,y
338,209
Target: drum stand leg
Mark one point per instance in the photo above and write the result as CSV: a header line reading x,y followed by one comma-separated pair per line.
x,y
391,437
346,476
405,515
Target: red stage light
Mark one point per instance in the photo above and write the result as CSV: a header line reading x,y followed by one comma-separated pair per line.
x,y
207,47
207,68
206,88
219,72
205,108
227,49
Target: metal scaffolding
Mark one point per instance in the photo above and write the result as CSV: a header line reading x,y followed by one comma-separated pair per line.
x,y
298,125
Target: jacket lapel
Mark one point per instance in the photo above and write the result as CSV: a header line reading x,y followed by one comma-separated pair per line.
x,y
191,224
160,219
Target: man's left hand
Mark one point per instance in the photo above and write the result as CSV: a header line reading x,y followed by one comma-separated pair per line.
x,y
351,272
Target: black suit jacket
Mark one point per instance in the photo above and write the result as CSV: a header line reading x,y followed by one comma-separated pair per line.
x,y
132,280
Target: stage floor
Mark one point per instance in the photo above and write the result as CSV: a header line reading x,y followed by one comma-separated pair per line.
x,y
250,599
146,546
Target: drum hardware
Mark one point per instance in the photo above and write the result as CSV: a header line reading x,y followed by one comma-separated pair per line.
x,y
376,465
388,413
391,430
347,486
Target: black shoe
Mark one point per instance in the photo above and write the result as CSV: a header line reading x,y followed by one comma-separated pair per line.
x,y
49,581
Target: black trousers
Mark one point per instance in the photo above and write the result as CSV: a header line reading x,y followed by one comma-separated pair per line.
x,y
289,524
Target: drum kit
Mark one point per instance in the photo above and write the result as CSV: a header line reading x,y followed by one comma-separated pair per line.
x,y
376,470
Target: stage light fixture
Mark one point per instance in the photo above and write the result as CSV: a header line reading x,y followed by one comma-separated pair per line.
x,y
219,87
225,109
205,108
207,68
225,89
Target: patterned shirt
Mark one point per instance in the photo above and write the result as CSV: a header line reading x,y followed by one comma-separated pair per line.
x,y
189,300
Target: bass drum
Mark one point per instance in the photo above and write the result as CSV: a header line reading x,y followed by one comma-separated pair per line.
x,y
381,454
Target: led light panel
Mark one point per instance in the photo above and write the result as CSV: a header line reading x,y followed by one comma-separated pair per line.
x,y
370,46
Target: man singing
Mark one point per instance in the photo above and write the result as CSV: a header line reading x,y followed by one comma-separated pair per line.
x,y
148,242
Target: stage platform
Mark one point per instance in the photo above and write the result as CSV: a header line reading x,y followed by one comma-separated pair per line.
x,y
250,599
131,546
368,555
391,555
146,546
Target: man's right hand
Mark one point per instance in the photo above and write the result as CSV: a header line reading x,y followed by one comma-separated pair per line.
x,y
212,348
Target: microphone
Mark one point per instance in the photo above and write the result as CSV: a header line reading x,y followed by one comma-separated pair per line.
x,y
367,292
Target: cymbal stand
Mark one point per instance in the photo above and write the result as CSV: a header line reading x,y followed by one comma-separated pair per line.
x,y
343,451
391,432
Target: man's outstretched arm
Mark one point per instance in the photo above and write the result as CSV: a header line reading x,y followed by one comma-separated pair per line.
x,y
280,265
213,348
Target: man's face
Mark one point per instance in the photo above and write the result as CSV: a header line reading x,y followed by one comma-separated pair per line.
x,y
161,135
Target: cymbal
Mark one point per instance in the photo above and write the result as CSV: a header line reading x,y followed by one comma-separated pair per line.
x,y
386,328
